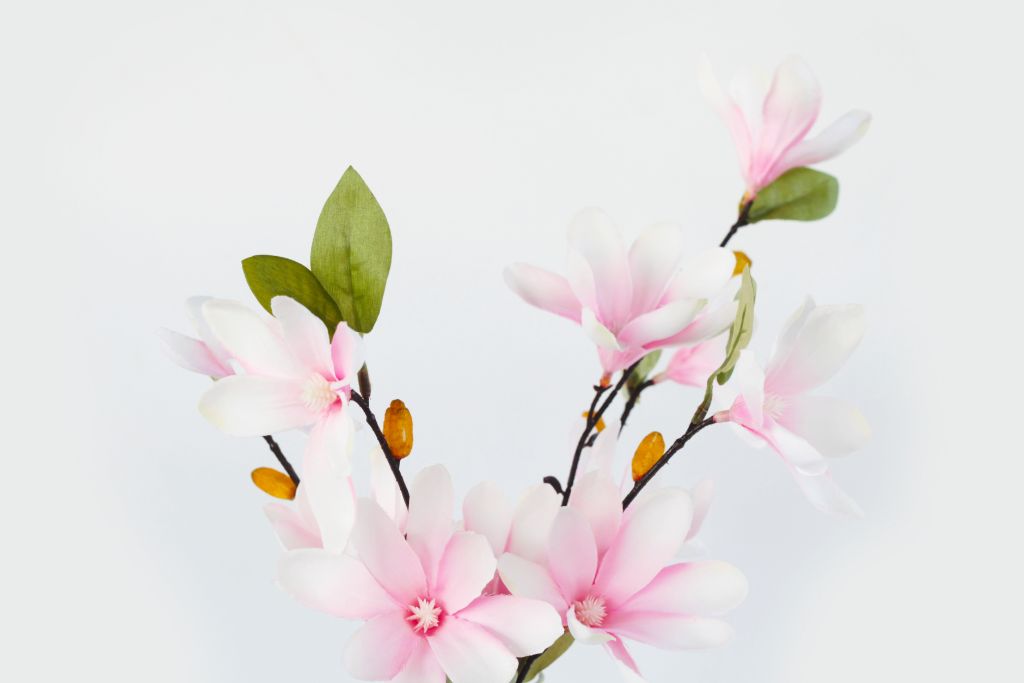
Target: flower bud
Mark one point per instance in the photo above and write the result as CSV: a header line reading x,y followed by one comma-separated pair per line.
x,y
742,262
398,429
274,483
600,421
647,453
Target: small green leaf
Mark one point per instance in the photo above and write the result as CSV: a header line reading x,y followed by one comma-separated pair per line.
x,y
646,366
351,252
739,337
800,194
270,276
548,657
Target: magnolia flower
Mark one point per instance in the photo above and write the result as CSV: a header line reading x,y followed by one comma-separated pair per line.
x,y
630,301
295,377
769,128
805,430
204,355
605,572
420,595
692,365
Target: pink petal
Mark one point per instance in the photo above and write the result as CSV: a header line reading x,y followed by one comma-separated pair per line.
x,y
422,666
653,259
530,580
336,584
305,335
669,631
831,426
251,339
290,528
647,540
381,648
711,322
617,649
596,497
386,554
346,353
332,500
658,324
702,495
429,525
331,439
486,511
797,452
790,109
727,109
524,626
593,236
814,346
543,289
572,554
704,588
466,567
194,308
253,405
469,654
531,522
837,138
692,365
192,354
748,379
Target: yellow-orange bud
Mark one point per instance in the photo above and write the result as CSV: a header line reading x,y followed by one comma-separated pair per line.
x,y
600,420
274,483
398,429
742,262
647,453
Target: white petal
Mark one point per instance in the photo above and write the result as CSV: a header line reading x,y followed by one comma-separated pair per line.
x,y
524,626
597,498
748,379
331,437
843,133
704,275
531,522
582,633
653,259
332,500
192,354
290,528
527,579
824,494
598,333
486,511
469,654
252,405
711,322
796,451
335,584
702,495
250,339
194,308
660,323
385,488
430,524
305,334
422,666
598,241
816,349
790,109
543,289
833,427
381,648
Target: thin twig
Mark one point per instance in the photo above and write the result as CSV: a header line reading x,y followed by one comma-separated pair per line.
x,y
676,446
279,454
634,396
593,417
554,483
743,219
393,462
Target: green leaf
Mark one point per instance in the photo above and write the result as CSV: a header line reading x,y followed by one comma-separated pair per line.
x,y
646,366
351,252
548,657
739,337
800,194
270,276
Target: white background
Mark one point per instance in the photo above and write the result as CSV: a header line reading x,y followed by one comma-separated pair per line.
x,y
148,147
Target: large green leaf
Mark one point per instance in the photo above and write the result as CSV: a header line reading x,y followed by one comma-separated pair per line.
x,y
270,276
800,194
351,252
739,337
548,657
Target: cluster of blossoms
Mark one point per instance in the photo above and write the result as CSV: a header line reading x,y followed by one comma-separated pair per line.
x,y
493,591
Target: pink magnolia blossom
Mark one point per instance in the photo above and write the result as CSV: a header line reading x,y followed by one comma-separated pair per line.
x,y
805,430
770,128
631,301
692,365
204,355
605,571
420,595
295,377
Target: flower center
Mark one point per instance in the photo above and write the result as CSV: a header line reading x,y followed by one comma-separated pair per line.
x,y
425,615
318,394
590,610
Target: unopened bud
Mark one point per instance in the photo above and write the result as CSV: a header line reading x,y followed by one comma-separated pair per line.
x,y
742,262
274,483
600,420
647,453
398,429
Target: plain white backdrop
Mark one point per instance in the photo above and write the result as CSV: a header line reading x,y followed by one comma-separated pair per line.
x,y
148,147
